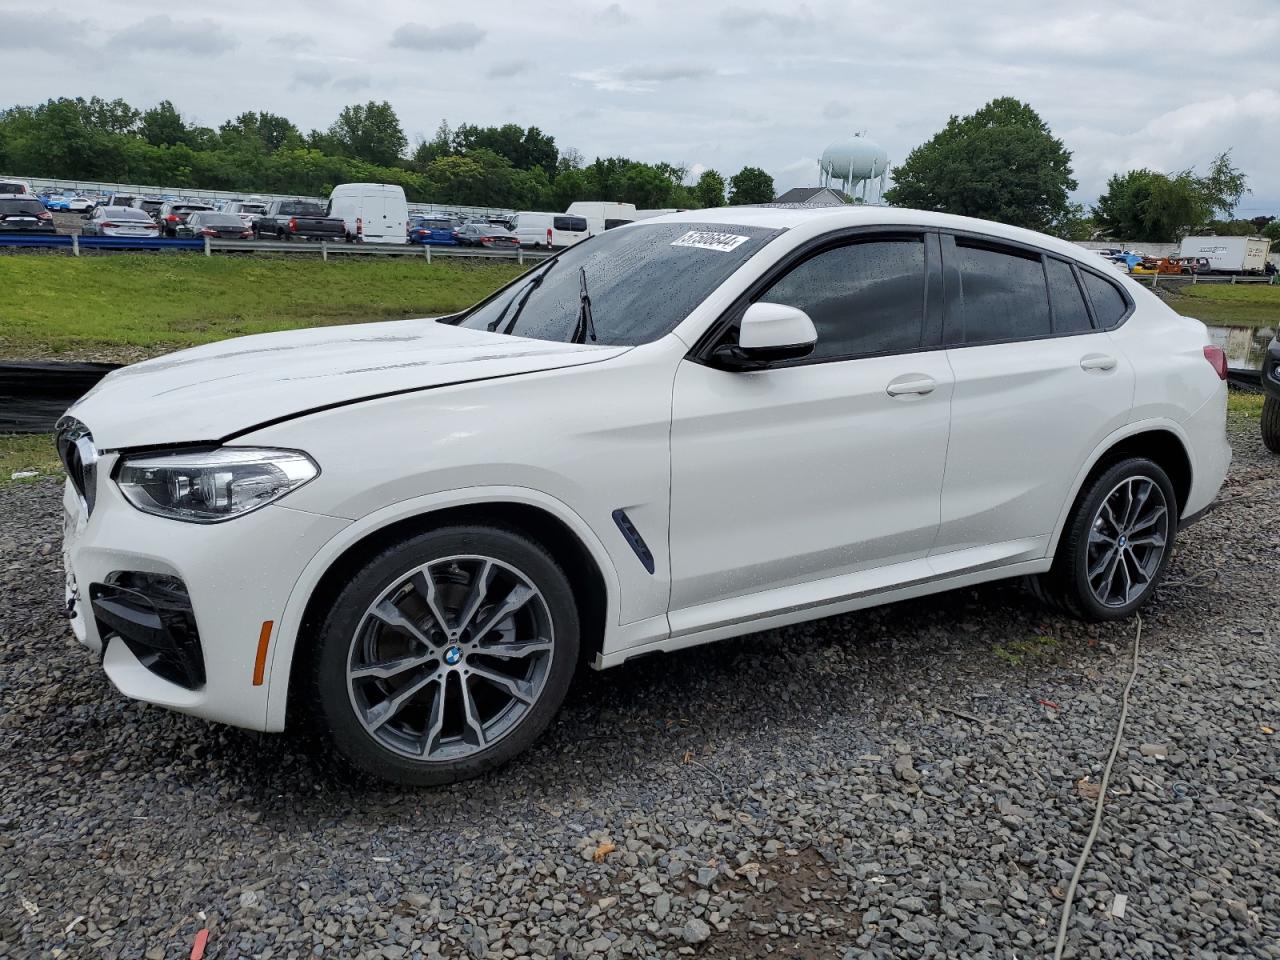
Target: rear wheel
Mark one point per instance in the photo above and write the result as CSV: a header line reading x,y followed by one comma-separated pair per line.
x,y
1116,545
1271,423
446,655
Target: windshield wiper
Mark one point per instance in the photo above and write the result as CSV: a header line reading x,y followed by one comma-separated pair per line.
x,y
586,326
524,298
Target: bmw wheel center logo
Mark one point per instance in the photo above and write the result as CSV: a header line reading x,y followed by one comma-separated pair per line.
x,y
453,655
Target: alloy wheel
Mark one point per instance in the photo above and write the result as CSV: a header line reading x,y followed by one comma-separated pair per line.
x,y
1127,541
451,658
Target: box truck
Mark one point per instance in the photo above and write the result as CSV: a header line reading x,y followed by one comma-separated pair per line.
x,y
1229,254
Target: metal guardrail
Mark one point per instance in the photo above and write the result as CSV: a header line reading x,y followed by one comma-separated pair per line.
x,y
209,246
1158,278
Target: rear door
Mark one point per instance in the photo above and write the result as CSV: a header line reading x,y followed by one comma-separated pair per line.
x,y
1037,388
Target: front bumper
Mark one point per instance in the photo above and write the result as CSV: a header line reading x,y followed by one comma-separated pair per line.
x,y
238,576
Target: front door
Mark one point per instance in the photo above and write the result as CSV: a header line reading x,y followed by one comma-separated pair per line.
x,y
823,466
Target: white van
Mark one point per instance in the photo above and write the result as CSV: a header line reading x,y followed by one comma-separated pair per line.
x,y
550,231
602,215
373,212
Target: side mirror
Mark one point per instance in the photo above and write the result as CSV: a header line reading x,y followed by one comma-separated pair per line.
x,y
768,333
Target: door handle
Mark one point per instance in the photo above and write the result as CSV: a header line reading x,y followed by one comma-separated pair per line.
x,y
911,384
1097,361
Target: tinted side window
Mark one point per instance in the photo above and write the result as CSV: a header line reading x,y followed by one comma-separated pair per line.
x,y
1109,304
610,224
574,224
1070,315
1003,293
864,298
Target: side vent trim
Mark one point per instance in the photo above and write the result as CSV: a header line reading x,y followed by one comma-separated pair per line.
x,y
633,537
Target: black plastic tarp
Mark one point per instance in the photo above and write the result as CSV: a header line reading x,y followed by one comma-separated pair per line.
x,y
34,394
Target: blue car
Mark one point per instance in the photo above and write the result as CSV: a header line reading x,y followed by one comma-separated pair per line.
x,y
57,201
433,230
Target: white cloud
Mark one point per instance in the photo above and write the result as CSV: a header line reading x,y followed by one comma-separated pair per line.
x,y
451,36
729,83
163,33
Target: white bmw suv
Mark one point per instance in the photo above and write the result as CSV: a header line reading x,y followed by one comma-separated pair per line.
x,y
682,430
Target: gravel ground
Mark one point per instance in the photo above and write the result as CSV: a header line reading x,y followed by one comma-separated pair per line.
x,y
811,792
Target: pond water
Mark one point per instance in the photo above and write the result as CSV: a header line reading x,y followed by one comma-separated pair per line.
x,y
1244,346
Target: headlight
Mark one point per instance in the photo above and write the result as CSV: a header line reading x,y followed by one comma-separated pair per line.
x,y
208,486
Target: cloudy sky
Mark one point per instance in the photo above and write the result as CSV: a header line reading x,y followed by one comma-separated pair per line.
x,y
707,84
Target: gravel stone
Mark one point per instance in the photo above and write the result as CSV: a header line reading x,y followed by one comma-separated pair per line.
x,y
836,808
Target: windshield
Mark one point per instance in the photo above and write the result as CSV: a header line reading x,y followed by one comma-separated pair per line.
x,y
125,213
299,208
642,281
20,208
218,220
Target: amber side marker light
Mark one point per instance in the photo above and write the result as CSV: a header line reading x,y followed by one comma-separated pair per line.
x,y
260,662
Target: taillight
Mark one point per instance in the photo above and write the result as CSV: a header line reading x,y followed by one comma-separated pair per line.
x,y
44,215
208,232
107,223
359,227
172,218
246,234
1217,359
293,224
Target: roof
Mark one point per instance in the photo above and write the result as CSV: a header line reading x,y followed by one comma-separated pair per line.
x,y
865,215
823,195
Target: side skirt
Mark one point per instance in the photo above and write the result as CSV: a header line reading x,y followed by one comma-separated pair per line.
x,y
826,608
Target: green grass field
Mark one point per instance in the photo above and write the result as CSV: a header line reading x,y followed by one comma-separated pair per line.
x,y
1248,304
133,305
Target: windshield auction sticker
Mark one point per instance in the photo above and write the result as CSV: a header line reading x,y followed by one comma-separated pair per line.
x,y
706,240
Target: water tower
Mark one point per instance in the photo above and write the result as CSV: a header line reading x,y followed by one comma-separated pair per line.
x,y
854,163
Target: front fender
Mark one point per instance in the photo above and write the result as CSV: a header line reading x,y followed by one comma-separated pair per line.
x,y
282,653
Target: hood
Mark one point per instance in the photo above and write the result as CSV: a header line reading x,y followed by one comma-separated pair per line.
x,y
211,392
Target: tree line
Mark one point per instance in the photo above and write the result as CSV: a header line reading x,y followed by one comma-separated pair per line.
x,y
498,166
1001,163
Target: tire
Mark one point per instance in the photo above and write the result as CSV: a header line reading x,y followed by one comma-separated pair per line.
x,y
1092,537
1271,423
390,724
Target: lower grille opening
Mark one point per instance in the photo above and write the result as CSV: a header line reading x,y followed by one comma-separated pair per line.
x,y
151,614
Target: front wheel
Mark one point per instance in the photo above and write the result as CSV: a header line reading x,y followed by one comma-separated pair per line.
x,y
1116,545
446,655
1271,423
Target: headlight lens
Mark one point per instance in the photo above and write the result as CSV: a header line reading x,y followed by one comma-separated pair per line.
x,y
209,486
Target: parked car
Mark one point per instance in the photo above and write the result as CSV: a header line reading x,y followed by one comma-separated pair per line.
x,y
77,203
486,235
286,219
409,534
549,231
1188,266
10,186
372,212
56,201
247,210
148,205
173,213
119,222
1271,400
431,230
206,223
23,213
119,200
